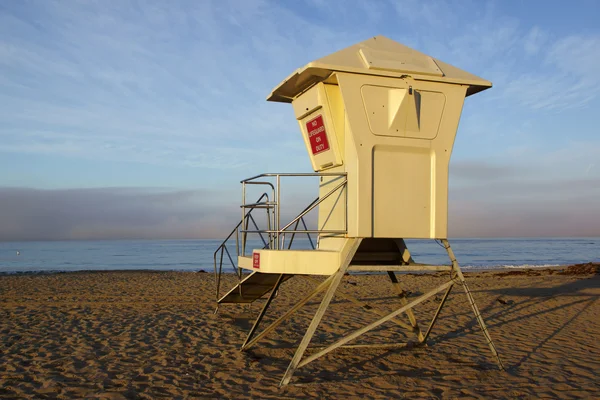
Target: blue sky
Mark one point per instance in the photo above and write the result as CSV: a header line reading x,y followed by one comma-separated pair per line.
x,y
159,108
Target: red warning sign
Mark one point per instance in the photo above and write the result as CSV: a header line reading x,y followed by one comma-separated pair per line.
x,y
256,260
317,135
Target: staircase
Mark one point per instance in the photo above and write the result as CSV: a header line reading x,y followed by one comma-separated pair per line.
x,y
252,287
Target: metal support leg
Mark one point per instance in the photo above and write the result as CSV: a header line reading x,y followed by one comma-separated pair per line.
x,y
324,285
337,278
409,312
375,324
459,275
264,309
437,313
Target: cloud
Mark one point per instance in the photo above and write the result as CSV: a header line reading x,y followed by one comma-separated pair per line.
x,y
527,165
565,80
531,194
178,84
152,84
506,209
131,213
534,40
481,171
510,204
170,85
438,13
530,65
578,215
112,213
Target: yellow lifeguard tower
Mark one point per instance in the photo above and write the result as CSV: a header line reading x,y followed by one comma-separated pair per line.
x,y
378,120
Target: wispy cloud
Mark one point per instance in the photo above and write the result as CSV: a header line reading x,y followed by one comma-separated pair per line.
x,y
181,86
115,72
195,74
530,65
534,40
565,78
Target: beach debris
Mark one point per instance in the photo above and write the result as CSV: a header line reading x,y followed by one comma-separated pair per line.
x,y
582,269
526,272
504,302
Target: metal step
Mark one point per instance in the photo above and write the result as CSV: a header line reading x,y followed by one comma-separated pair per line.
x,y
252,288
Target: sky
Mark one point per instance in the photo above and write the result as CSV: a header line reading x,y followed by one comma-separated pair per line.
x,y
138,119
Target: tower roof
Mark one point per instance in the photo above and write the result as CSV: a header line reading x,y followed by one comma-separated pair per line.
x,y
376,56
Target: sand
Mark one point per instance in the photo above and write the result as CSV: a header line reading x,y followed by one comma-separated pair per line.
x,y
116,335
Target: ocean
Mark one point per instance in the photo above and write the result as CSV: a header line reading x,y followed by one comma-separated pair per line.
x,y
195,255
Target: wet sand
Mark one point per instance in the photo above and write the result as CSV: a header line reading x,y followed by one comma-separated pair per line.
x,y
115,335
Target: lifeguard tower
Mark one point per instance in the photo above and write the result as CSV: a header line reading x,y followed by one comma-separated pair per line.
x,y
378,120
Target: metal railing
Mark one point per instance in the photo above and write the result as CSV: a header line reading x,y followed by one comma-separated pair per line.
x,y
223,248
277,233
273,236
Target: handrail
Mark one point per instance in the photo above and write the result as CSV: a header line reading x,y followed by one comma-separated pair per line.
x,y
272,174
269,205
309,209
261,183
305,228
340,231
275,233
259,204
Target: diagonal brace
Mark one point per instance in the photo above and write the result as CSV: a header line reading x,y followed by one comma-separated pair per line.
x,y
324,285
370,308
264,310
375,324
436,315
335,281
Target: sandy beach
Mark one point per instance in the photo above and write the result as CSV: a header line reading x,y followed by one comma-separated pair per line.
x,y
115,335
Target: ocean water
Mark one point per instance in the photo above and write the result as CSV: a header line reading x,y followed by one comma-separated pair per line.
x,y
194,255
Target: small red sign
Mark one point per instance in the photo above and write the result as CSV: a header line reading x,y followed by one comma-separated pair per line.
x,y
317,135
256,260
